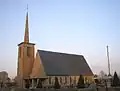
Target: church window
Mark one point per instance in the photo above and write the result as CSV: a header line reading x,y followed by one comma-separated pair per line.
x,y
19,51
74,80
28,51
70,80
86,79
49,80
61,80
65,79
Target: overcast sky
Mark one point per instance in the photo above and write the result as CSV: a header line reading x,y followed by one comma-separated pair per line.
x,y
71,26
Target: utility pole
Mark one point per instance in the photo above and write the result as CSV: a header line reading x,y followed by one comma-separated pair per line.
x,y
108,61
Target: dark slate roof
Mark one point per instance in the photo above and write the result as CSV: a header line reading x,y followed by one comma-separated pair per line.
x,y
56,63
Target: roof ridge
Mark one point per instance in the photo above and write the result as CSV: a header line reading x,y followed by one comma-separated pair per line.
x,y
60,52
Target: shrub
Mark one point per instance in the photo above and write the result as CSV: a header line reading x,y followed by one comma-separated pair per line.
x,y
80,83
116,80
56,84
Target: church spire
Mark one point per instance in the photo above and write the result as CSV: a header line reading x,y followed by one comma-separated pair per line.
x,y
26,36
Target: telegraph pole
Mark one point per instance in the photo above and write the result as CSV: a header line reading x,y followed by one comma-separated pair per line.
x,y
108,61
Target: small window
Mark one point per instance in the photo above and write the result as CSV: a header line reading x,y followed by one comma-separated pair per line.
x,y
49,80
61,80
70,80
65,79
74,80
19,51
82,58
28,51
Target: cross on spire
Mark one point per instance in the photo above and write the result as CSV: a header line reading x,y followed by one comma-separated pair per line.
x,y
27,7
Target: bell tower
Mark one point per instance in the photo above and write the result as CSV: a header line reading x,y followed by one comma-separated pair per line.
x,y
25,57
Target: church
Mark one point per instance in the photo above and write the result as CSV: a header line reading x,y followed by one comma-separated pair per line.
x,y
45,65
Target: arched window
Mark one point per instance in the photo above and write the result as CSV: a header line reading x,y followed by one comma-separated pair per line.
x,y
70,80
61,80
49,80
75,80
65,79
86,80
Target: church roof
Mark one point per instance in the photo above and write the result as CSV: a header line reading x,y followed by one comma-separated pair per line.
x,y
56,63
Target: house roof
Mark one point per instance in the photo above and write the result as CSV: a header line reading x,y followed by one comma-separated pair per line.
x,y
56,63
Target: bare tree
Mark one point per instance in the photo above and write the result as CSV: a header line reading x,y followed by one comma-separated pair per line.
x,y
102,74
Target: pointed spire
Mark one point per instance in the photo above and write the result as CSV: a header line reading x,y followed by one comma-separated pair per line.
x,y
26,36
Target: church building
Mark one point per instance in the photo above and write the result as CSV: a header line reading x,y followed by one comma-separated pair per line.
x,y
45,65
